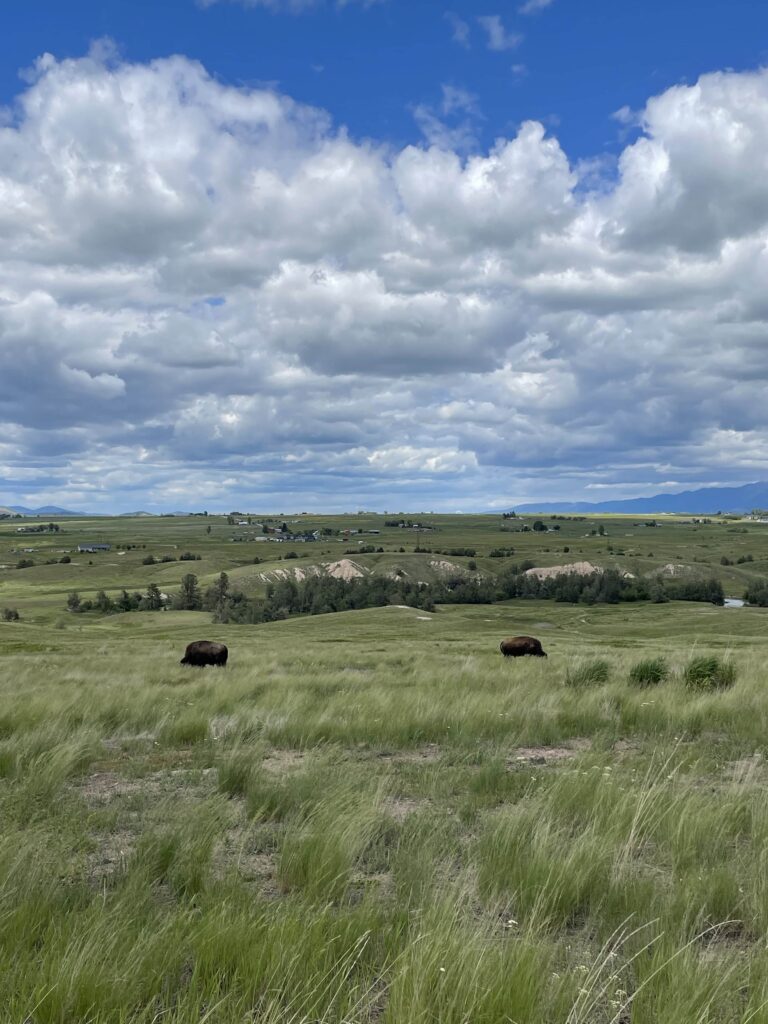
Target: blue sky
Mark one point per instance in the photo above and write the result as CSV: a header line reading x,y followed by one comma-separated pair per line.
x,y
369,66
301,253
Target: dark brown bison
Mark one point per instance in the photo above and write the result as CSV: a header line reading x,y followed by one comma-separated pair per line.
x,y
205,652
518,646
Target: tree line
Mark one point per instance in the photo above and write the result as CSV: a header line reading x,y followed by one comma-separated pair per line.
x,y
319,595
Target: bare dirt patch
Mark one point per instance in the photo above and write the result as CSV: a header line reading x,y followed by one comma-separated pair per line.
x,y
672,569
428,754
238,851
102,787
547,755
119,742
441,565
401,808
112,854
577,568
278,762
344,569
746,770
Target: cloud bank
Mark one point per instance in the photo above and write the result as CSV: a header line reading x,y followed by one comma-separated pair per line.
x,y
213,296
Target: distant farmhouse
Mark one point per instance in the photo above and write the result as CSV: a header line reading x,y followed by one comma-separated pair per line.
x,y
90,549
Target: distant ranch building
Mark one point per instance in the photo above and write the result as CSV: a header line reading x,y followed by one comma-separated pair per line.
x,y
90,549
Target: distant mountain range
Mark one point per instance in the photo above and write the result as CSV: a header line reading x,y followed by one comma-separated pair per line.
x,y
44,510
705,501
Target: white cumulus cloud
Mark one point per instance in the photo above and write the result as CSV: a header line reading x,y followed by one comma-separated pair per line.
x,y
214,295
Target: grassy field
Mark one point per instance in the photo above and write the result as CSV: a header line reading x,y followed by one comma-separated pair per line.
x,y
372,816
41,590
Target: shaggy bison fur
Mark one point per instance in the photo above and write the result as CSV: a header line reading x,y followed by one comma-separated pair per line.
x,y
518,646
205,652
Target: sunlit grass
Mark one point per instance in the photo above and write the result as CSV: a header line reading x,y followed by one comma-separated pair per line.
x,y
386,830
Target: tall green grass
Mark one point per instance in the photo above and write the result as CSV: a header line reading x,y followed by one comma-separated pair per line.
x,y
331,836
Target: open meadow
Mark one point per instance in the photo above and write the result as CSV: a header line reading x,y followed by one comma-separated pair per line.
x,y
371,816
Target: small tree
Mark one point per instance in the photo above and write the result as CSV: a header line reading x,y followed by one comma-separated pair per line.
x,y
104,603
125,602
11,615
153,599
73,602
189,598
216,595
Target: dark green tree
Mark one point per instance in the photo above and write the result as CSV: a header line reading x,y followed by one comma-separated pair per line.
x,y
189,599
152,601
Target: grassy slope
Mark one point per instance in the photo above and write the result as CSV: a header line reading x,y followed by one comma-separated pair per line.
x,y
373,816
41,590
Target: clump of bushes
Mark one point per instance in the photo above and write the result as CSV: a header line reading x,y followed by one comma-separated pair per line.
x,y
649,672
65,560
757,593
708,672
25,563
588,673
11,615
149,560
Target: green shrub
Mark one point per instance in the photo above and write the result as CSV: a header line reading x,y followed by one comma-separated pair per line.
x,y
709,673
185,730
588,673
649,672
236,773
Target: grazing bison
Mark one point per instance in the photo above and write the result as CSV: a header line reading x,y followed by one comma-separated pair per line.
x,y
518,646
205,652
